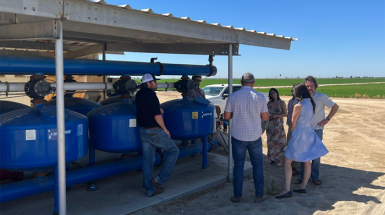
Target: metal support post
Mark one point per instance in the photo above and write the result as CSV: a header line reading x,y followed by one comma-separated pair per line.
x,y
59,63
91,162
104,77
230,76
204,152
56,192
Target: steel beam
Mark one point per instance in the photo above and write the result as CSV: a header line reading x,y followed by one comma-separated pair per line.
x,y
26,53
172,48
33,30
35,46
42,8
95,49
137,26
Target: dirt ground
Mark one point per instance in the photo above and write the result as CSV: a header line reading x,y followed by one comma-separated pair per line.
x,y
353,173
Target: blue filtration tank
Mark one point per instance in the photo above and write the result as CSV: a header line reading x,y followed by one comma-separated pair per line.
x,y
113,128
115,99
28,138
7,106
189,119
78,105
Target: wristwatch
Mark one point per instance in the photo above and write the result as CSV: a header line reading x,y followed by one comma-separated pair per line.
x,y
327,118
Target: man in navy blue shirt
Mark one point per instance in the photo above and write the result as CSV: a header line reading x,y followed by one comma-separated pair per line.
x,y
153,133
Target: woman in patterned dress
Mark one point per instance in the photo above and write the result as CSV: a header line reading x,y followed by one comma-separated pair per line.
x,y
276,136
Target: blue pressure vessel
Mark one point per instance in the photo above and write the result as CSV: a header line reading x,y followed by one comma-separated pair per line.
x,y
113,128
188,119
116,98
28,138
7,106
79,105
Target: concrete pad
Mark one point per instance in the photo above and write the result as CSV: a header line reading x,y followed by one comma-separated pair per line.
x,y
124,193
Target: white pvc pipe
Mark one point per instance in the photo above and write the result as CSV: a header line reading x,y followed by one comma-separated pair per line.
x,y
230,75
166,85
11,87
86,86
59,62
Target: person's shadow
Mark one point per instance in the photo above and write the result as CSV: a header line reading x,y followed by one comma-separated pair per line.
x,y
339,185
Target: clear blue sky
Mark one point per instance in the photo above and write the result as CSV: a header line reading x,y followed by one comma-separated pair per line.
x,y
337,37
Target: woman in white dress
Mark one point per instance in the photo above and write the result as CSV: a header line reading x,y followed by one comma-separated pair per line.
x,y
304,145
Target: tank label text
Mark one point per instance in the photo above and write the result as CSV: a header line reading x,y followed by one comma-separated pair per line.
x,y
195,115
30,134
206,114
52,133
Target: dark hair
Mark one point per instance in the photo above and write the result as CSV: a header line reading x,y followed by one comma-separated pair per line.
x,y
301,92
196,76
275,90
144,85
312,79
292,93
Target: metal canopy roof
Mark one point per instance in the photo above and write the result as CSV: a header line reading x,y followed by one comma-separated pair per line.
x,y
91,26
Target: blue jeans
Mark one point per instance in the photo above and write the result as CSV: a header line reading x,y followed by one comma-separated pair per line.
x,y
316,163
239,154
152,138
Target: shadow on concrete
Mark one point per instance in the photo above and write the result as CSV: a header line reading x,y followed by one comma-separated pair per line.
x,y
344,191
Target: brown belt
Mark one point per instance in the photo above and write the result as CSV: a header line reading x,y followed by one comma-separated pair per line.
x,y
152,127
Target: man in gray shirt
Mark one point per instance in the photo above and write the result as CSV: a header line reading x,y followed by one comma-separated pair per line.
x,y
196,92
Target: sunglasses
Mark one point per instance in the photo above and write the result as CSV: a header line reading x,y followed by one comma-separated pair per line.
x,y
198,80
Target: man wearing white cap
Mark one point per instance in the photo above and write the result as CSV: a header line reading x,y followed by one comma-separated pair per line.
x,y
153,133
247,107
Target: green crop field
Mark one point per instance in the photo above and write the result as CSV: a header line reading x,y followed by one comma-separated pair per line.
x,y
284,82
344,91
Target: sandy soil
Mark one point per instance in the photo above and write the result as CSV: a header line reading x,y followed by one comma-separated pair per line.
x,y
353,173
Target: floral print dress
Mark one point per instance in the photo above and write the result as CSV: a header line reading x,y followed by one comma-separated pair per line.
x,y
276,136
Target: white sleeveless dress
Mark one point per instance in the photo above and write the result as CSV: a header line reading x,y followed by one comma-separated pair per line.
x,y
304,144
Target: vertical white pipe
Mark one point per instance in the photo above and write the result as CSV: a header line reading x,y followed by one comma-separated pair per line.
x,y
104,77
230,75
60,119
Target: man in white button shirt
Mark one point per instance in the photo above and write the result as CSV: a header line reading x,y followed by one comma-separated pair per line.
x,y
246,107
318,123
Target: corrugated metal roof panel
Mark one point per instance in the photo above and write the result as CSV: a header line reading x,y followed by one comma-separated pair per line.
x,y
150,11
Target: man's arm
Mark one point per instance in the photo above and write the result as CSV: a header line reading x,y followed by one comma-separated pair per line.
x,y
333,111
265,116
159,120
228,115
228,109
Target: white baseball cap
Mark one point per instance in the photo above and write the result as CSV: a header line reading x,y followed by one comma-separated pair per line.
x,y
148,77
